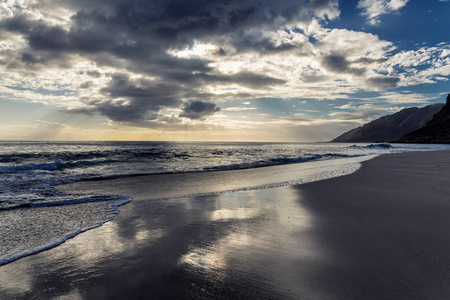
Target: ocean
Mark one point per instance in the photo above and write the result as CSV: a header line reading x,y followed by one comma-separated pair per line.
x,y
35,215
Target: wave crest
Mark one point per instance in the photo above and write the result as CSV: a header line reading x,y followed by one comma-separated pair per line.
x,y
32,167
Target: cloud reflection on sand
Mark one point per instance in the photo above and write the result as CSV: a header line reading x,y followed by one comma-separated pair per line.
x,y
260,241
205,242
204,259
83,254
227,214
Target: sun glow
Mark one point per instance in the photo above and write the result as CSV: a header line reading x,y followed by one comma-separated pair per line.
x,y
196,50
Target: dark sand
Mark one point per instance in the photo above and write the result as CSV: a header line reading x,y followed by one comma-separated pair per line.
x,y
380,233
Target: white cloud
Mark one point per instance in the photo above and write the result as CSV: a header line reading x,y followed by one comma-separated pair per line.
x,y
348,106
424,65
373,9
359,113
237,108
407,97
352,44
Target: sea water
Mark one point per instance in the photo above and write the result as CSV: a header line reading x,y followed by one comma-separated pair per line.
x,y
35,215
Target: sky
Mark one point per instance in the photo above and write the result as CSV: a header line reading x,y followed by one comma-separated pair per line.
x,y
231,70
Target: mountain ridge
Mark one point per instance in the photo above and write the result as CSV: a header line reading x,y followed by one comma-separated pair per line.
x,y
437,130
391,127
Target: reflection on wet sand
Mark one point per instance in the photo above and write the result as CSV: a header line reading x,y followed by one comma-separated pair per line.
x,y
239,244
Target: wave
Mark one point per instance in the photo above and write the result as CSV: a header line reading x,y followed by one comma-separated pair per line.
x,y
7,258
373,146
32,167
56,165
68,160
75,155
156,160
55,241
277,161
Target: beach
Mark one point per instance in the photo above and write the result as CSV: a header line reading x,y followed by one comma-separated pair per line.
x,y
382,232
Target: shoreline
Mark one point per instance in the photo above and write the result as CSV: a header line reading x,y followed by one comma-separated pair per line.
x,y
174,185
380,232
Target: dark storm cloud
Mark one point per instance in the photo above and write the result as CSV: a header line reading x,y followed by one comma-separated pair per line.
x,y
47,44
366,60
310,78
20,23
255,80
135,100
221,52
94,74
182,20
137,34
339,64
257,42
122,27
198,110
165,23
121,86
78,111
86,85
383,82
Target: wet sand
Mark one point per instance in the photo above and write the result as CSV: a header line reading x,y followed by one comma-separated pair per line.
x,y
382,232
386,228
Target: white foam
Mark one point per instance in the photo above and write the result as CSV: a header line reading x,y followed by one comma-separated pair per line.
x,y
74,227
14,168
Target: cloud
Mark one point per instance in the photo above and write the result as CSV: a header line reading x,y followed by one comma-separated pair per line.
x,y
383,82
424,65
407,97
163,64
94,73
239,108
135,100
359,113
339,64
86,85
255,80
45,130
373,9
78,111
198,110
134,40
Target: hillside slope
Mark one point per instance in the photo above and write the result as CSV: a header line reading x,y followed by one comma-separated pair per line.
x,y
437,130
391,127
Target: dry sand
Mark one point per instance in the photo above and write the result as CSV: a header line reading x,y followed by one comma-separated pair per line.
x,y
382,232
